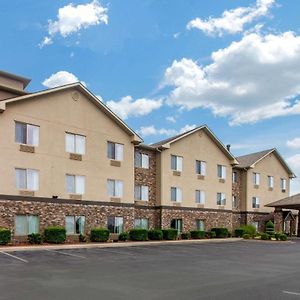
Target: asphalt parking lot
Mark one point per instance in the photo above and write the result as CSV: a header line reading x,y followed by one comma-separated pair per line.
x,y
240,270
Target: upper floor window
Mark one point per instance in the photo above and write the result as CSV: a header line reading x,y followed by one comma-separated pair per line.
x,y
115,224
115,188
176,163
221,172
221,199
176,194
115,151
142,160
200,197
255,202
141,192
27,134
256,178
234,202
27,179
234,177
75,184
200,167
75,143
25,225
283,184
270,181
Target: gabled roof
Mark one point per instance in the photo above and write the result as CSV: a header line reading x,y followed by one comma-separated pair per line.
x,y
292,202
79,87
165,144
22,79
250,160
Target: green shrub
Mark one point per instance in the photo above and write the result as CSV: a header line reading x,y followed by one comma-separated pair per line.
x,y
277,236
123,236
249,229
239,232
99,235
185,235
221,232
198,234
212,235
55,235
138,234
5,236
283,237
170,234
82,238
270,226
34,238
265,236
246,236
155,235
229,234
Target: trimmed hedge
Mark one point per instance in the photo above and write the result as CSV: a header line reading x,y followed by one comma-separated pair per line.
x,y
123,236
5,236
212,235
170,234
138,234
155,235
246,236
34,238
197,234
99,235
55,235
283,237
264,236
221,232
185,235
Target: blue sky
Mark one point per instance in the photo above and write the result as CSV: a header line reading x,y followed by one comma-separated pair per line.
x,y
166,66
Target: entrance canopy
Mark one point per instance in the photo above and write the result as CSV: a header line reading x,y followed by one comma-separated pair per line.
x,y
292,202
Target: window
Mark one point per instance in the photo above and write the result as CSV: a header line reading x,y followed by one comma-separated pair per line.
x,y
200,167
283,184
234,201
177,224
176,194
115,224
200,225
75,184
221,172
25,225
271,181
141,160
27,134
200,197
75,143
141,223
75,224
234,177
255,202
27,179
256,225
256,178
115,188
221,199
115,151
141,192
176,163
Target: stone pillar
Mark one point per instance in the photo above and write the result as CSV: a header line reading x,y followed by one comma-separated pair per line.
x,y
298,229
278,219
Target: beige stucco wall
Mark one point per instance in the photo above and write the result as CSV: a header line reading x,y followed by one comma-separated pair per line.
x,y
57,113
197,146
269,166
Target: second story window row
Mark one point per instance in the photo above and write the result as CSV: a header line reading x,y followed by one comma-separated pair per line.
x,y
75,143
141,160
256,178
200,167
176,163
75,184
115,151
27,134
221,172
27,179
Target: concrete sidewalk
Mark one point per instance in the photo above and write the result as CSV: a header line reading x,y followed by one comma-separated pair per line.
x,y
113,245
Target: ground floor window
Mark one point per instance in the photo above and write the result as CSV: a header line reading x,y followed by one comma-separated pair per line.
x,y
141,223
25,225
256,225
75,224
177,224
200,225
115,224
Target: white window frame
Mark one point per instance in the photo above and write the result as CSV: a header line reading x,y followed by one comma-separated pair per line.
x,y
234,177
29,128
141,223
73,143
221,199
255,202
256,178
271,182
283,184
201,227
234,201
142,160
176,163
178,194
31,179
117,225
200,197
78,183
200,167
141,192
115,188
27,219
74,224
117,151
221,172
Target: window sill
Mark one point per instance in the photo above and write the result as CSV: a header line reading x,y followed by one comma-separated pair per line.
x,y
200,177
27,148
177,204
256,186
115,199
221,206
270,189
221,180
256,209
75,156
141,202
177,173
200,205
75,196
26,193
283,191
115,163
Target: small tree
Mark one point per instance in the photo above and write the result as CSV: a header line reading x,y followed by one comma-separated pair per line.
x,y
270,228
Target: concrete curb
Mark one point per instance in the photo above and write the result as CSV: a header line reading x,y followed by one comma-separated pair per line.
x,y
114,245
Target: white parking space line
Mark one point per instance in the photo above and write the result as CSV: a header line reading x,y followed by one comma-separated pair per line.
x,y
291,293
15,257
65,253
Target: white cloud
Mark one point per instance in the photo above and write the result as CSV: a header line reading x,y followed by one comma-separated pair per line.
x,y
151,130
60,78
128,107
253,79
232,21
294,162
71,19
294,143
171,119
